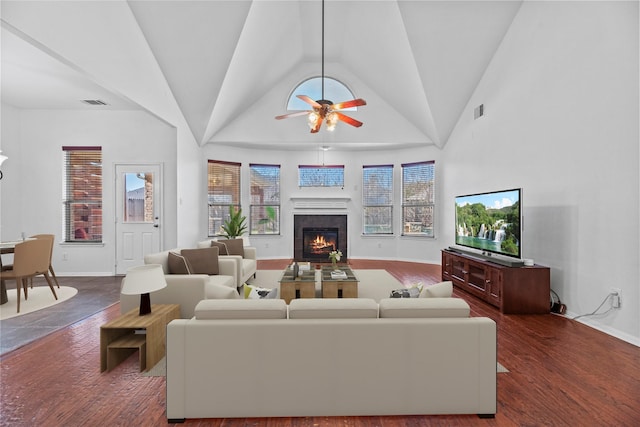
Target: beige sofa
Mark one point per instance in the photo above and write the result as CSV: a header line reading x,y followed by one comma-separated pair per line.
x,y
187,289
247,263
330,357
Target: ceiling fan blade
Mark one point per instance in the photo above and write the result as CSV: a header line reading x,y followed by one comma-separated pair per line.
x,y
309,101
349,104
349,120
298,113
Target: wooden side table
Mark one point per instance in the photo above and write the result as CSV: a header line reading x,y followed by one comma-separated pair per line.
x,y
118,338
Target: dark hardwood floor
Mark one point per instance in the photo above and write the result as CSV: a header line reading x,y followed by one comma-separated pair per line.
x,y
561,373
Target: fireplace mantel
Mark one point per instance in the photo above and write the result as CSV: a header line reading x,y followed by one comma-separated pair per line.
x,y
320,202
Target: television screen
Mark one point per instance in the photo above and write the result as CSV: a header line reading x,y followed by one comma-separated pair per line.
x,y
490,222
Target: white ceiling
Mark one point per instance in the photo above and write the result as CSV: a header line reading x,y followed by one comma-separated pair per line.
x,y
229,66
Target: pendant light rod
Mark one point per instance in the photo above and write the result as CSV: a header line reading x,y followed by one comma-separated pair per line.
x,y
322,49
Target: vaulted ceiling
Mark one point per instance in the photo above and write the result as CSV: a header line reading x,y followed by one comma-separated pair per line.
x,y
226,68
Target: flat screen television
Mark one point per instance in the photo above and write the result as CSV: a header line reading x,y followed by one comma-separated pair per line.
x,y
490,222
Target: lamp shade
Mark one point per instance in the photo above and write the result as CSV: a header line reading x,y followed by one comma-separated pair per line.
x,y
143,279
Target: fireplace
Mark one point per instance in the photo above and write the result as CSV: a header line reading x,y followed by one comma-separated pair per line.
x,y
314,236
318,242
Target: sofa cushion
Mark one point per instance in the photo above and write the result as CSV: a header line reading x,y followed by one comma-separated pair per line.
x,y
256,292
178,264
412,292
235,247
222,248
333,308
241,309
202,261
439,290
423,308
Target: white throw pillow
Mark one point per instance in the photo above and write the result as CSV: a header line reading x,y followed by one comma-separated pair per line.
x,y
439,290
256,292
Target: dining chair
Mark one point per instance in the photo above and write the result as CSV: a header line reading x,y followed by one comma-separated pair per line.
x,y
30,259
50,238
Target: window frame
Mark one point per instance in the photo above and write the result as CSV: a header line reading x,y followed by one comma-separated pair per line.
x,y
260,212
409,204
220,171
78,228
367,195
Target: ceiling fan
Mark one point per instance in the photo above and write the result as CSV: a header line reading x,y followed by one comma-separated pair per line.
x,y
323,109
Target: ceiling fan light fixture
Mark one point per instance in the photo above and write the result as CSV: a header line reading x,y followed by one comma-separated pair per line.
x,y
332,121
313,119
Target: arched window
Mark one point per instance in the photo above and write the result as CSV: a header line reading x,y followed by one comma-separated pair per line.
x,y
334,91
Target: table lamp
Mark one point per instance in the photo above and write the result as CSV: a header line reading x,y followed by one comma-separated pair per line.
x,y
141,280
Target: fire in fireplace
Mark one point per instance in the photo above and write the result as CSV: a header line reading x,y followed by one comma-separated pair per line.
x,y
318,242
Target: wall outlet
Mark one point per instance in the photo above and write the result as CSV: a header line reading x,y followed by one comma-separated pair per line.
x,y
616,297
64,256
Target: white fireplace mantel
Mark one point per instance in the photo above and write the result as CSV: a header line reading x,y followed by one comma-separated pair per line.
x,y
320,202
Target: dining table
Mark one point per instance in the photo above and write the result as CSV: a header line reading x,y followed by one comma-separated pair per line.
x,y
6,248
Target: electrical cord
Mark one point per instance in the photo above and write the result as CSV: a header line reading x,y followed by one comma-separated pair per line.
x,y
596,310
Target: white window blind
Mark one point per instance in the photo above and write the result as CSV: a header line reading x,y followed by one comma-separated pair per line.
x,y
321,175
82,204
377,199
418,198
223,192
264,213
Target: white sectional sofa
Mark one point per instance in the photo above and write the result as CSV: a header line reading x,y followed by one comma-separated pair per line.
x,y
330,357
187,289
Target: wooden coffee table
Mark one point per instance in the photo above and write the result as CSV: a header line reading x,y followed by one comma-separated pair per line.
x,y
118,338
303,286
340,287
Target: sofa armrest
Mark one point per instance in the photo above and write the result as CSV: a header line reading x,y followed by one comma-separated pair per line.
x,y
250,252
228,267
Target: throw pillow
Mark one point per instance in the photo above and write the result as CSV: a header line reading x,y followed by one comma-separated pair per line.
x,y
202,261
178,264
256,292
439,290
222,248
412,292
235,247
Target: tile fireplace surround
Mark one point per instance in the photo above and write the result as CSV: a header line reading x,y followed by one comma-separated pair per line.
x,y
318,221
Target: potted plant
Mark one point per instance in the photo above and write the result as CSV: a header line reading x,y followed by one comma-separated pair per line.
x,y
234,226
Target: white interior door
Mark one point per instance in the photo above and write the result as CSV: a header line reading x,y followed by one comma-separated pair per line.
x,y
138,213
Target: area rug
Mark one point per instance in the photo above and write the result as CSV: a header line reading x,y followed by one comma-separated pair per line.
x,y
160,370
39,297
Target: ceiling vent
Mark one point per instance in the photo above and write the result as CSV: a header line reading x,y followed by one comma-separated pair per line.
x,y
478,111
94,102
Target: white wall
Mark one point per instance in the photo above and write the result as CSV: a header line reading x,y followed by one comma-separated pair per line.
x,y
561,102
32,185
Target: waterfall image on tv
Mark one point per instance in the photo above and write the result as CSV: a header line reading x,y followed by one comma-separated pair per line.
x,y
490,221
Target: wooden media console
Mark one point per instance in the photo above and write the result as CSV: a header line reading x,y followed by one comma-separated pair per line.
x,y
514,290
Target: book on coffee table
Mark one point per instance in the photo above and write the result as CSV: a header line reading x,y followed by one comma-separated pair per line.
x,y
338,275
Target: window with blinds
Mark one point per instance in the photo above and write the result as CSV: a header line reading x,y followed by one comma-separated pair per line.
x,y
223,192
264,212
82,204
377,199
321,176
418,198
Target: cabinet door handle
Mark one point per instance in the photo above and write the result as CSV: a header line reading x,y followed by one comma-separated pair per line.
x,y
487,281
